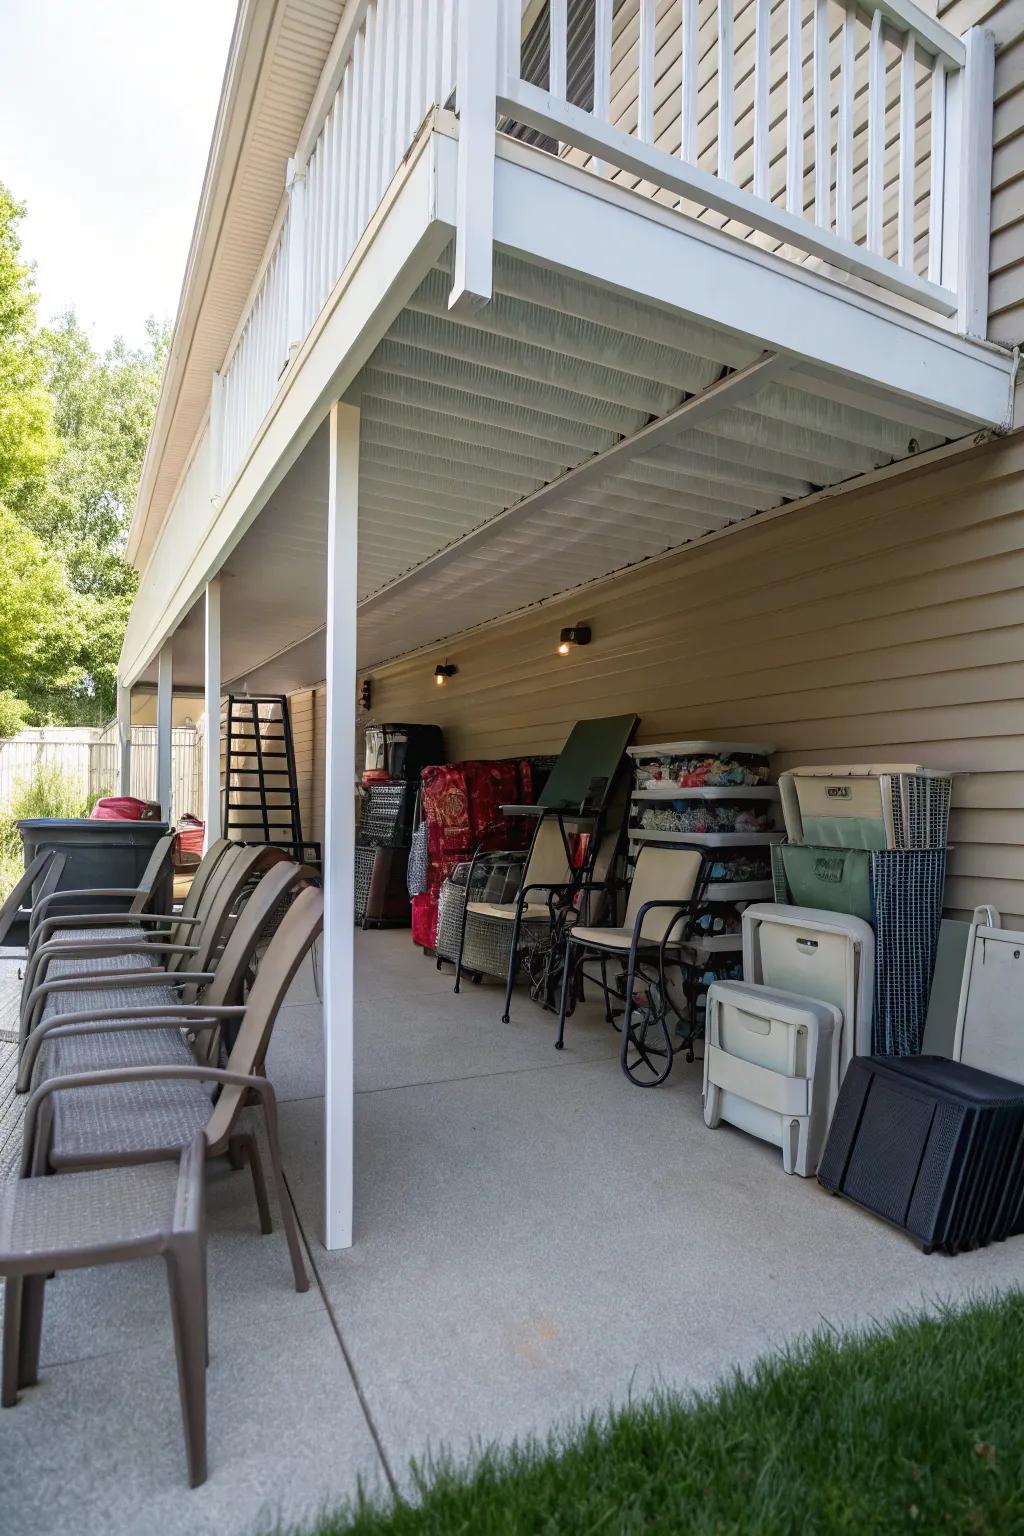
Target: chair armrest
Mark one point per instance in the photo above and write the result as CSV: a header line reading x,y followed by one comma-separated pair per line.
x,y
125,892
103,919
99,950
37,997
683,909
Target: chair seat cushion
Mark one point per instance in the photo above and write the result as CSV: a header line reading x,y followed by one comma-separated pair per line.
x,y
106,999
93,1126
70,1054
123,932
86,1210
58,968
612,938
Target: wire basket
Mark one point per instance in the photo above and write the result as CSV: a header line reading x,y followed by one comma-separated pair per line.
x,y
893,806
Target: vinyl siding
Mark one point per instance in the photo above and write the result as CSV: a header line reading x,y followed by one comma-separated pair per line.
x,y
885,624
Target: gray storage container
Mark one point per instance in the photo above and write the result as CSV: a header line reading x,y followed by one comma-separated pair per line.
x,y
99,853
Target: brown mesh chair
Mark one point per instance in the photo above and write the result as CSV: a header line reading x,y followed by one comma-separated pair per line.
x,y
106,1217
129,1114
48,867
94,960
664,897
137,897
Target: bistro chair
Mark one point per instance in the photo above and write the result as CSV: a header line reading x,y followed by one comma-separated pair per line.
x,y
665,894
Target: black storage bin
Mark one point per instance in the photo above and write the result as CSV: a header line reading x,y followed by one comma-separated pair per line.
x,y
98,853
931,1145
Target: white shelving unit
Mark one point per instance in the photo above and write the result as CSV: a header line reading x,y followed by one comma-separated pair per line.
x,y
708,839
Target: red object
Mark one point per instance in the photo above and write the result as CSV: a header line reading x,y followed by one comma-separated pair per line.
x,y
124,808
377,776
460,806
190,834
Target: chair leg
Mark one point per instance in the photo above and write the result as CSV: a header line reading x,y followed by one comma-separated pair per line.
x,y
627,1022
563,1001
185,1287
12,1340
251,1152
609,1017
33,1295
291,1227
513,961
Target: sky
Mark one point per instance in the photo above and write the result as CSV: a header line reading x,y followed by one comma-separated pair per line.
x,y
106,113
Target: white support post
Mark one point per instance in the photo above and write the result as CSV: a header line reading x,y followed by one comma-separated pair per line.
x,y
975,168
211,743
339,823
124,738
296,183
164,701
477,105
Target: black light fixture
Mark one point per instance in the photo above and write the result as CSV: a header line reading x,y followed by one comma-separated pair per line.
x,y
365,693
576,634
443,672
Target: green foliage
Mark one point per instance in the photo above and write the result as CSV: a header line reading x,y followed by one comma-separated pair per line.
x,y
27,441
49,793
917,1426
14,712
73,430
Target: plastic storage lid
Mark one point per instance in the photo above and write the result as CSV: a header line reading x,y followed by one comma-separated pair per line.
x,y
689,748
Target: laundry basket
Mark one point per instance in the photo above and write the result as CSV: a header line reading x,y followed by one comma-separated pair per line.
x,y
888,805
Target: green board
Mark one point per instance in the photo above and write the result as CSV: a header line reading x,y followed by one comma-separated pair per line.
x,y
586,766
829,879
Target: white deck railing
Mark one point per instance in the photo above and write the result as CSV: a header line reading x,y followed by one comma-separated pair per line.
x,y
853,133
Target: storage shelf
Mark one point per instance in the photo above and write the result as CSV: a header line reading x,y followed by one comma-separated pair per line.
x,y
716,944
708,839
739,890
661,791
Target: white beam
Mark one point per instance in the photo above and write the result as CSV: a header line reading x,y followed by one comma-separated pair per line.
x,y
124,738
211,744
164,702
477,107
975,202
339,823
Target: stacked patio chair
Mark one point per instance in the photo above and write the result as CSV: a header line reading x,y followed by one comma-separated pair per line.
x,y
45,870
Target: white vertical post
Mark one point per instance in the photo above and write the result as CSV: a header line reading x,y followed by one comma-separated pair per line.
x,y
296,183
124,738
602,67
164,701
876,133
339,823
975,210
762,87
937,172
558,26
822,118
477,106
794,109
645,88
211,705
908,134
726,105
844,130
688,104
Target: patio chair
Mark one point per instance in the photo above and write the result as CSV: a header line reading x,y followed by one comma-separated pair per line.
x,y
64,959
218,979
665,893
106,1217
48,867
129,1114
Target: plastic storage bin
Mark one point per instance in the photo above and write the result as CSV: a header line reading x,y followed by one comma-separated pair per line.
x,y
98,853
771,1066
870,805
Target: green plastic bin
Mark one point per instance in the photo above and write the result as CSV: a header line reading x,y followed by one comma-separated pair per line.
x,y
98,853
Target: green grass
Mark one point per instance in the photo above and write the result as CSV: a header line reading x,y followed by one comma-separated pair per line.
x,y
48,793
916,1427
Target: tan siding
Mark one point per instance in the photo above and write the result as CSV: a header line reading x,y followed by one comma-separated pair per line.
x,y
886,623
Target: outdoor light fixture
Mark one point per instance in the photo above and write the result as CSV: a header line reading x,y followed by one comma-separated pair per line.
x,y
576,634
365,693
443,672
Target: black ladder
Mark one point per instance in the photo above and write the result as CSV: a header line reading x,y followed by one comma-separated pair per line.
x,y
261,794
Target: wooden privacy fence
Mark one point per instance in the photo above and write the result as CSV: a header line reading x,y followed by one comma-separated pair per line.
x,y
88,759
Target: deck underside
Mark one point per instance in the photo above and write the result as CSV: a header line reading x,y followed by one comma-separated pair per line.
x,y
568,429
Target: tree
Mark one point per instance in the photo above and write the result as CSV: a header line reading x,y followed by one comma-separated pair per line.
x,y
42,621
27,442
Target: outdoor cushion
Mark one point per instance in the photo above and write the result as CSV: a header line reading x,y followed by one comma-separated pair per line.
x,y
615,938
533,911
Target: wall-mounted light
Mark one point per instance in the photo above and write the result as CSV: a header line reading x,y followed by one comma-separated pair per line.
x,y
443,672
576,634
365,693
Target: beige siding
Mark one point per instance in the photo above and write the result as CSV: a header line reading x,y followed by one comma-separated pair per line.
x,y
881,624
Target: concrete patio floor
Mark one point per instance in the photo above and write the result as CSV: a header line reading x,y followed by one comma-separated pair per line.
x,y
535,1238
